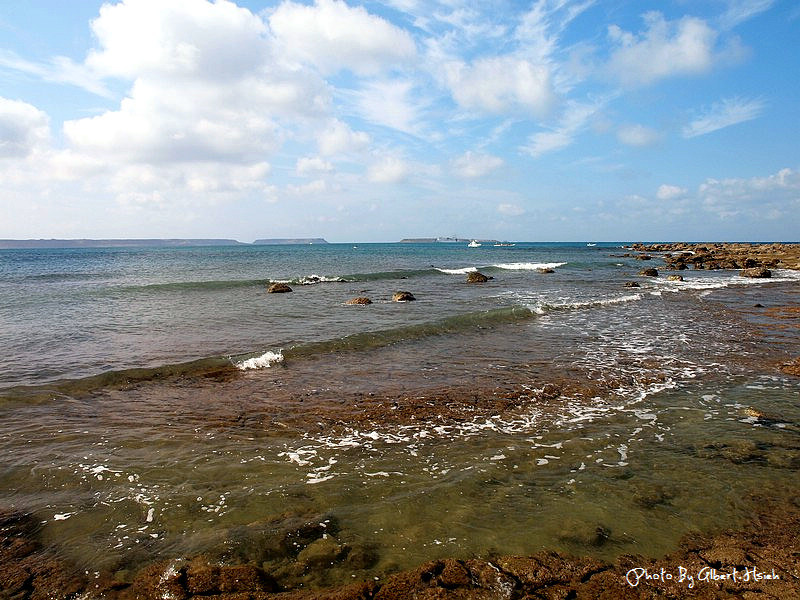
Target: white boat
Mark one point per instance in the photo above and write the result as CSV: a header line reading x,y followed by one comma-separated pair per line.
x,y
473,244
591,245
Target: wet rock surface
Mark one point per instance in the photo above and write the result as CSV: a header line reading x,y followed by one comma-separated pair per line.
x,y
403,297
760,561
278,288
477,277
752,258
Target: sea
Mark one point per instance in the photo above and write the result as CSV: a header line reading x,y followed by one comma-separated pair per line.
x,y
158,404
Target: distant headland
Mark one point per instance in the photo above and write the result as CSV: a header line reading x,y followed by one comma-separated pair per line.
x,y
147,243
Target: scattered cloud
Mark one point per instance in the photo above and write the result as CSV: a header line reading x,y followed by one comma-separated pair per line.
x,y
664,49
777,194
739,11
332,36
471,164
388,170
510,210
310,165
670,192
59,69
23,129
637,135
502,84
574,120
725,113
337,138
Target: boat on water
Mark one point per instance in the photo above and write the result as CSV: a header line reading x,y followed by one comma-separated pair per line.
x,y
591,244
474,244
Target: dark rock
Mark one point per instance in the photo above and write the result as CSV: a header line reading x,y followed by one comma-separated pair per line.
x,y
758,272
278,288
322,553
649,272
202,578
363,300
632,284
477,277
643,257
546,270
403,297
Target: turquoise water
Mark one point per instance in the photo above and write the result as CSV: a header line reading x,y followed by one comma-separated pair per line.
x,y
411,430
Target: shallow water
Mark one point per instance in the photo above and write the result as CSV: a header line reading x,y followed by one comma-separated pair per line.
x,y
440,442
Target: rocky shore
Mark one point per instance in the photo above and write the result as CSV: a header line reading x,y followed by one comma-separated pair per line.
x,y
761,561
681,255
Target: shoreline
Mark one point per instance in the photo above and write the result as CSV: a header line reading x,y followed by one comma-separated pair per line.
x,y
757,561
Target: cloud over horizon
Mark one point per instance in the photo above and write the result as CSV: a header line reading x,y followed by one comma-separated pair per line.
x,y
195,109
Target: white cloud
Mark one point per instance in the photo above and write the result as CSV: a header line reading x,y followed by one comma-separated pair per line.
x,y
178,38
777,194
313,187
472,164
206,86
391,104
664,49
574,120
739,11
338,138
637,135
389,170
59,69
670,192
309,165
725,113
23,129
332,35
501,84
510,210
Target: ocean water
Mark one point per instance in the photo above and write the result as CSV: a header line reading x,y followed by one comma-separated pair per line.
x,y
158,404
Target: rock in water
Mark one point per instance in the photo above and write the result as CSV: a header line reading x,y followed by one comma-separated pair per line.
x,y
651,272
757,272
278,288
360,300
675,278
477,277
631,284
403,297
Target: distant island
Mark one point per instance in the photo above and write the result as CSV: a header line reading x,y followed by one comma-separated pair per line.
x,y
145,243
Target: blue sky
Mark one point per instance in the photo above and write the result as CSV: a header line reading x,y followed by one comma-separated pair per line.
x,y
372,121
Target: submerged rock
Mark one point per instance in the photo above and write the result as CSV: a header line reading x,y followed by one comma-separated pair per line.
x,y
546,270
757,272
631,284
675,278
403,297
278,288
363,300
649,272
477,277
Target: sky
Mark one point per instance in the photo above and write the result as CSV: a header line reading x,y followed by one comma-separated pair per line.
x,y
549,120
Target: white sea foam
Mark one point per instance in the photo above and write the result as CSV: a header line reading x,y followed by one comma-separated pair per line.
x,y
463,271
529,266
261,362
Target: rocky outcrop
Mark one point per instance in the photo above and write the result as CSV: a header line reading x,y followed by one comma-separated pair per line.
x,y
477,277
363,300
403,297
792,368
649,272
674,277
756,272
680,256
278,288
631,284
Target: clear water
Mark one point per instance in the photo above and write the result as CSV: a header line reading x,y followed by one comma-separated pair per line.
x,y
656,431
